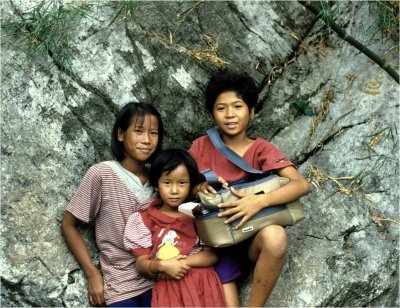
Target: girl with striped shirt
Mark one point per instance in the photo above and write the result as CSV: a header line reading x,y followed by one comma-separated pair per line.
x,y
107,195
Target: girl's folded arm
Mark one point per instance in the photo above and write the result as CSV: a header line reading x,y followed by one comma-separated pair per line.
x,y
205,258
174,268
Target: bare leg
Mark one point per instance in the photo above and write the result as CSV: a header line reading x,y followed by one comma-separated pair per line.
x,y
231,294
268,251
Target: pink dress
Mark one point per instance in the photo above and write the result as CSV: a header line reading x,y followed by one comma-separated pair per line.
x,y
162,237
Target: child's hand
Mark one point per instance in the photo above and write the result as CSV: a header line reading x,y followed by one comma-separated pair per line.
x,y
175,267
207,188
223,182
96,289
247,206
204,187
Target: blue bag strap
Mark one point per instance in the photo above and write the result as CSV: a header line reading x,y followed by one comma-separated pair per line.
x,y
229,154
210,176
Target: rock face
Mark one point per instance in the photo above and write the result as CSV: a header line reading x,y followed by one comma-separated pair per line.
x,y
343,135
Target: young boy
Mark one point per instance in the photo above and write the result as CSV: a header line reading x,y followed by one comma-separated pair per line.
x,y
231,99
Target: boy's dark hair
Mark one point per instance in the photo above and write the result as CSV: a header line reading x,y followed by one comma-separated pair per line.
x,y
123,121
227,80
168,160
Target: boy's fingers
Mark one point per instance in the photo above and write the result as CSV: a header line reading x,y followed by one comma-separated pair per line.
x,y
242,222
238,193
230,210
222,181
235,217
208,189
226,205
211,190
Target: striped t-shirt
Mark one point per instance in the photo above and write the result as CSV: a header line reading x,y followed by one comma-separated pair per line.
x,y
108,195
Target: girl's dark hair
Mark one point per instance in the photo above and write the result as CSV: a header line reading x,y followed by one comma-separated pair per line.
x,y
227,80
168,160
123,121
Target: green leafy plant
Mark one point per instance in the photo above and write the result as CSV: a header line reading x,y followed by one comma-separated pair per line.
x,y
303,107
44,30
387,18
370,143
376,164
124,9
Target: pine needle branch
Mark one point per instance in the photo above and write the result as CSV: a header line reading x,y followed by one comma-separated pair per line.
x,y
316,8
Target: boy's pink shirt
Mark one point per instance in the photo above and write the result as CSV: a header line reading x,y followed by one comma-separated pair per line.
x,y
261,155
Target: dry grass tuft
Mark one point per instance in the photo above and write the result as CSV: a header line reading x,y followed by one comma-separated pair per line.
x,y
379,219
317,177
276,71
321,47
322,111
350,79
181,16
376,139
210,54
350,189
341,131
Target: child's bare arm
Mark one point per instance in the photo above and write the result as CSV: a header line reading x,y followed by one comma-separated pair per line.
x,y
296,188
205,258
79,249
248,205
173,268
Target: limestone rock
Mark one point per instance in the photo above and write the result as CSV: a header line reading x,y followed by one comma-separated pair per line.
x,y
56,122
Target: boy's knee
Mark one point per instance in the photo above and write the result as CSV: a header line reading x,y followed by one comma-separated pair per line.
x,y
274,239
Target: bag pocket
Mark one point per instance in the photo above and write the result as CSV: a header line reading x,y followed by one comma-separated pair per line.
x,y
215,233
263,185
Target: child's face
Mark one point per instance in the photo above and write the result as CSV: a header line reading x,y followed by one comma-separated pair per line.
x,y
231,114
174,187
140,139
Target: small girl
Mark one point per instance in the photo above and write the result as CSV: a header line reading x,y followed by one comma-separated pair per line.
x,y
165,243
108,194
